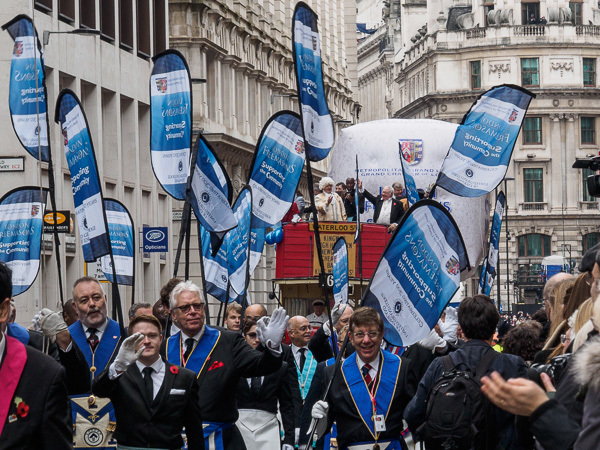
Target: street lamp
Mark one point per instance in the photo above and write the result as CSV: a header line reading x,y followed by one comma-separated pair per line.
x,y
84,31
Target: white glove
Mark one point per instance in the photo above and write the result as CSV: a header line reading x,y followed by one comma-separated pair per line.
x,y
270,332
450,326
50,323
432,341
320,409
296,218
287,447
127,354
319,415
337,311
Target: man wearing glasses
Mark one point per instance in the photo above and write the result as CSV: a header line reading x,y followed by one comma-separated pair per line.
x,y
220,359
368,395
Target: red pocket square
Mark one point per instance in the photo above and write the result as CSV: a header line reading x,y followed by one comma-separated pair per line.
x,y
215,365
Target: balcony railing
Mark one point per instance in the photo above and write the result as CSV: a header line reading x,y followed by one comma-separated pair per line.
x,y
589,205
529,30
587,30
476,33
540,206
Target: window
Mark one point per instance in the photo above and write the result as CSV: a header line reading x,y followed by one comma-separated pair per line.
x,y
107,19
588,130
534,245
589,240
66,10
487,7
530,11
475,74
160,34
575,6
126,24
585,173
143,28
532,130
589,71
87,13
533,180
43,5
530,75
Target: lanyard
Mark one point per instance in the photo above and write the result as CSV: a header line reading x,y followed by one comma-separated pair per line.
x,y
372,394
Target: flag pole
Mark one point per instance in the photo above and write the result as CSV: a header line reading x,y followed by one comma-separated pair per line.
x,y
204,291
358,237
322,277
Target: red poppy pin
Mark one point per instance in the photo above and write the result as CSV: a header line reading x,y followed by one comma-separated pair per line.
x,y
174,370
22,407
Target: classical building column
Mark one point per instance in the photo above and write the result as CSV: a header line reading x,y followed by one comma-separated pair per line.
x,y
570,180
555,179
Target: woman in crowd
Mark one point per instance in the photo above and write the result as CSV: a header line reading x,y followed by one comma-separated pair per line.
x,y
330,205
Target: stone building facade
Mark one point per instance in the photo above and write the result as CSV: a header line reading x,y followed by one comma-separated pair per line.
x,y
446,53
109,73
243,49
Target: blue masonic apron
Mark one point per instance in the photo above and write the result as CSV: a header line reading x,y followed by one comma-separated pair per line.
x,y
213,431
389,370
94,418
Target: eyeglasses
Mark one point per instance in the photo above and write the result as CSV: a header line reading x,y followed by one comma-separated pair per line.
x,y
360,335
564,338
186,308
251,335
303,328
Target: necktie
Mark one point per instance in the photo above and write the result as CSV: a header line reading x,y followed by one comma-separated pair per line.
x,y
189,346
148,385
255,384
93,339
302,358
365,371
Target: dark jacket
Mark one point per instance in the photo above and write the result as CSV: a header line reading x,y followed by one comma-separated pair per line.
x,y
42,389
350,426
509,366
350,204
158,425
397,208
231,359
274,388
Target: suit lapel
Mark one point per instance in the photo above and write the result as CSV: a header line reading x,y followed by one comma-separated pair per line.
x,y
165,389
134,373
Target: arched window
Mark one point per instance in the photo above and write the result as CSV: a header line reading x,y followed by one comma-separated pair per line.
x,y
534,245
589,240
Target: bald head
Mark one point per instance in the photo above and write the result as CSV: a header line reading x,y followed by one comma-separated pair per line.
x,y
255,311
299,330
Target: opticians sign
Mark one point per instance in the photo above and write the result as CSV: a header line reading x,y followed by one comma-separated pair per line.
x,y
155,239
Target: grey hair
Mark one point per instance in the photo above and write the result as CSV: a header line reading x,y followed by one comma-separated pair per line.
x,y
397,184
184,286
387,188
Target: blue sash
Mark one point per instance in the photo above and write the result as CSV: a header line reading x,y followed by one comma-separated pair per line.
x,y
389,370
200,354
333,433
305,378
18,332
214,429
98,360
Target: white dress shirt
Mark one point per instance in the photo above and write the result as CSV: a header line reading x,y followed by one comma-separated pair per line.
x,y
2,346
374,366
296,352
196,337
158,374
99,331
385,212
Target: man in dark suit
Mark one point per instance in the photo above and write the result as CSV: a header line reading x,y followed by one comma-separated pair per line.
x,y
388,210
153,400
33,390
369,393
220,358
257,399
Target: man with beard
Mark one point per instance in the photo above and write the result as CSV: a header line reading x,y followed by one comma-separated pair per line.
x,y
98,338
369,393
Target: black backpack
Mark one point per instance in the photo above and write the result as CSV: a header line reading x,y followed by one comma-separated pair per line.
x,y
457,410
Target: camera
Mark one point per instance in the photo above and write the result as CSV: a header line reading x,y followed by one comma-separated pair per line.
x,y
555,369
593,181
